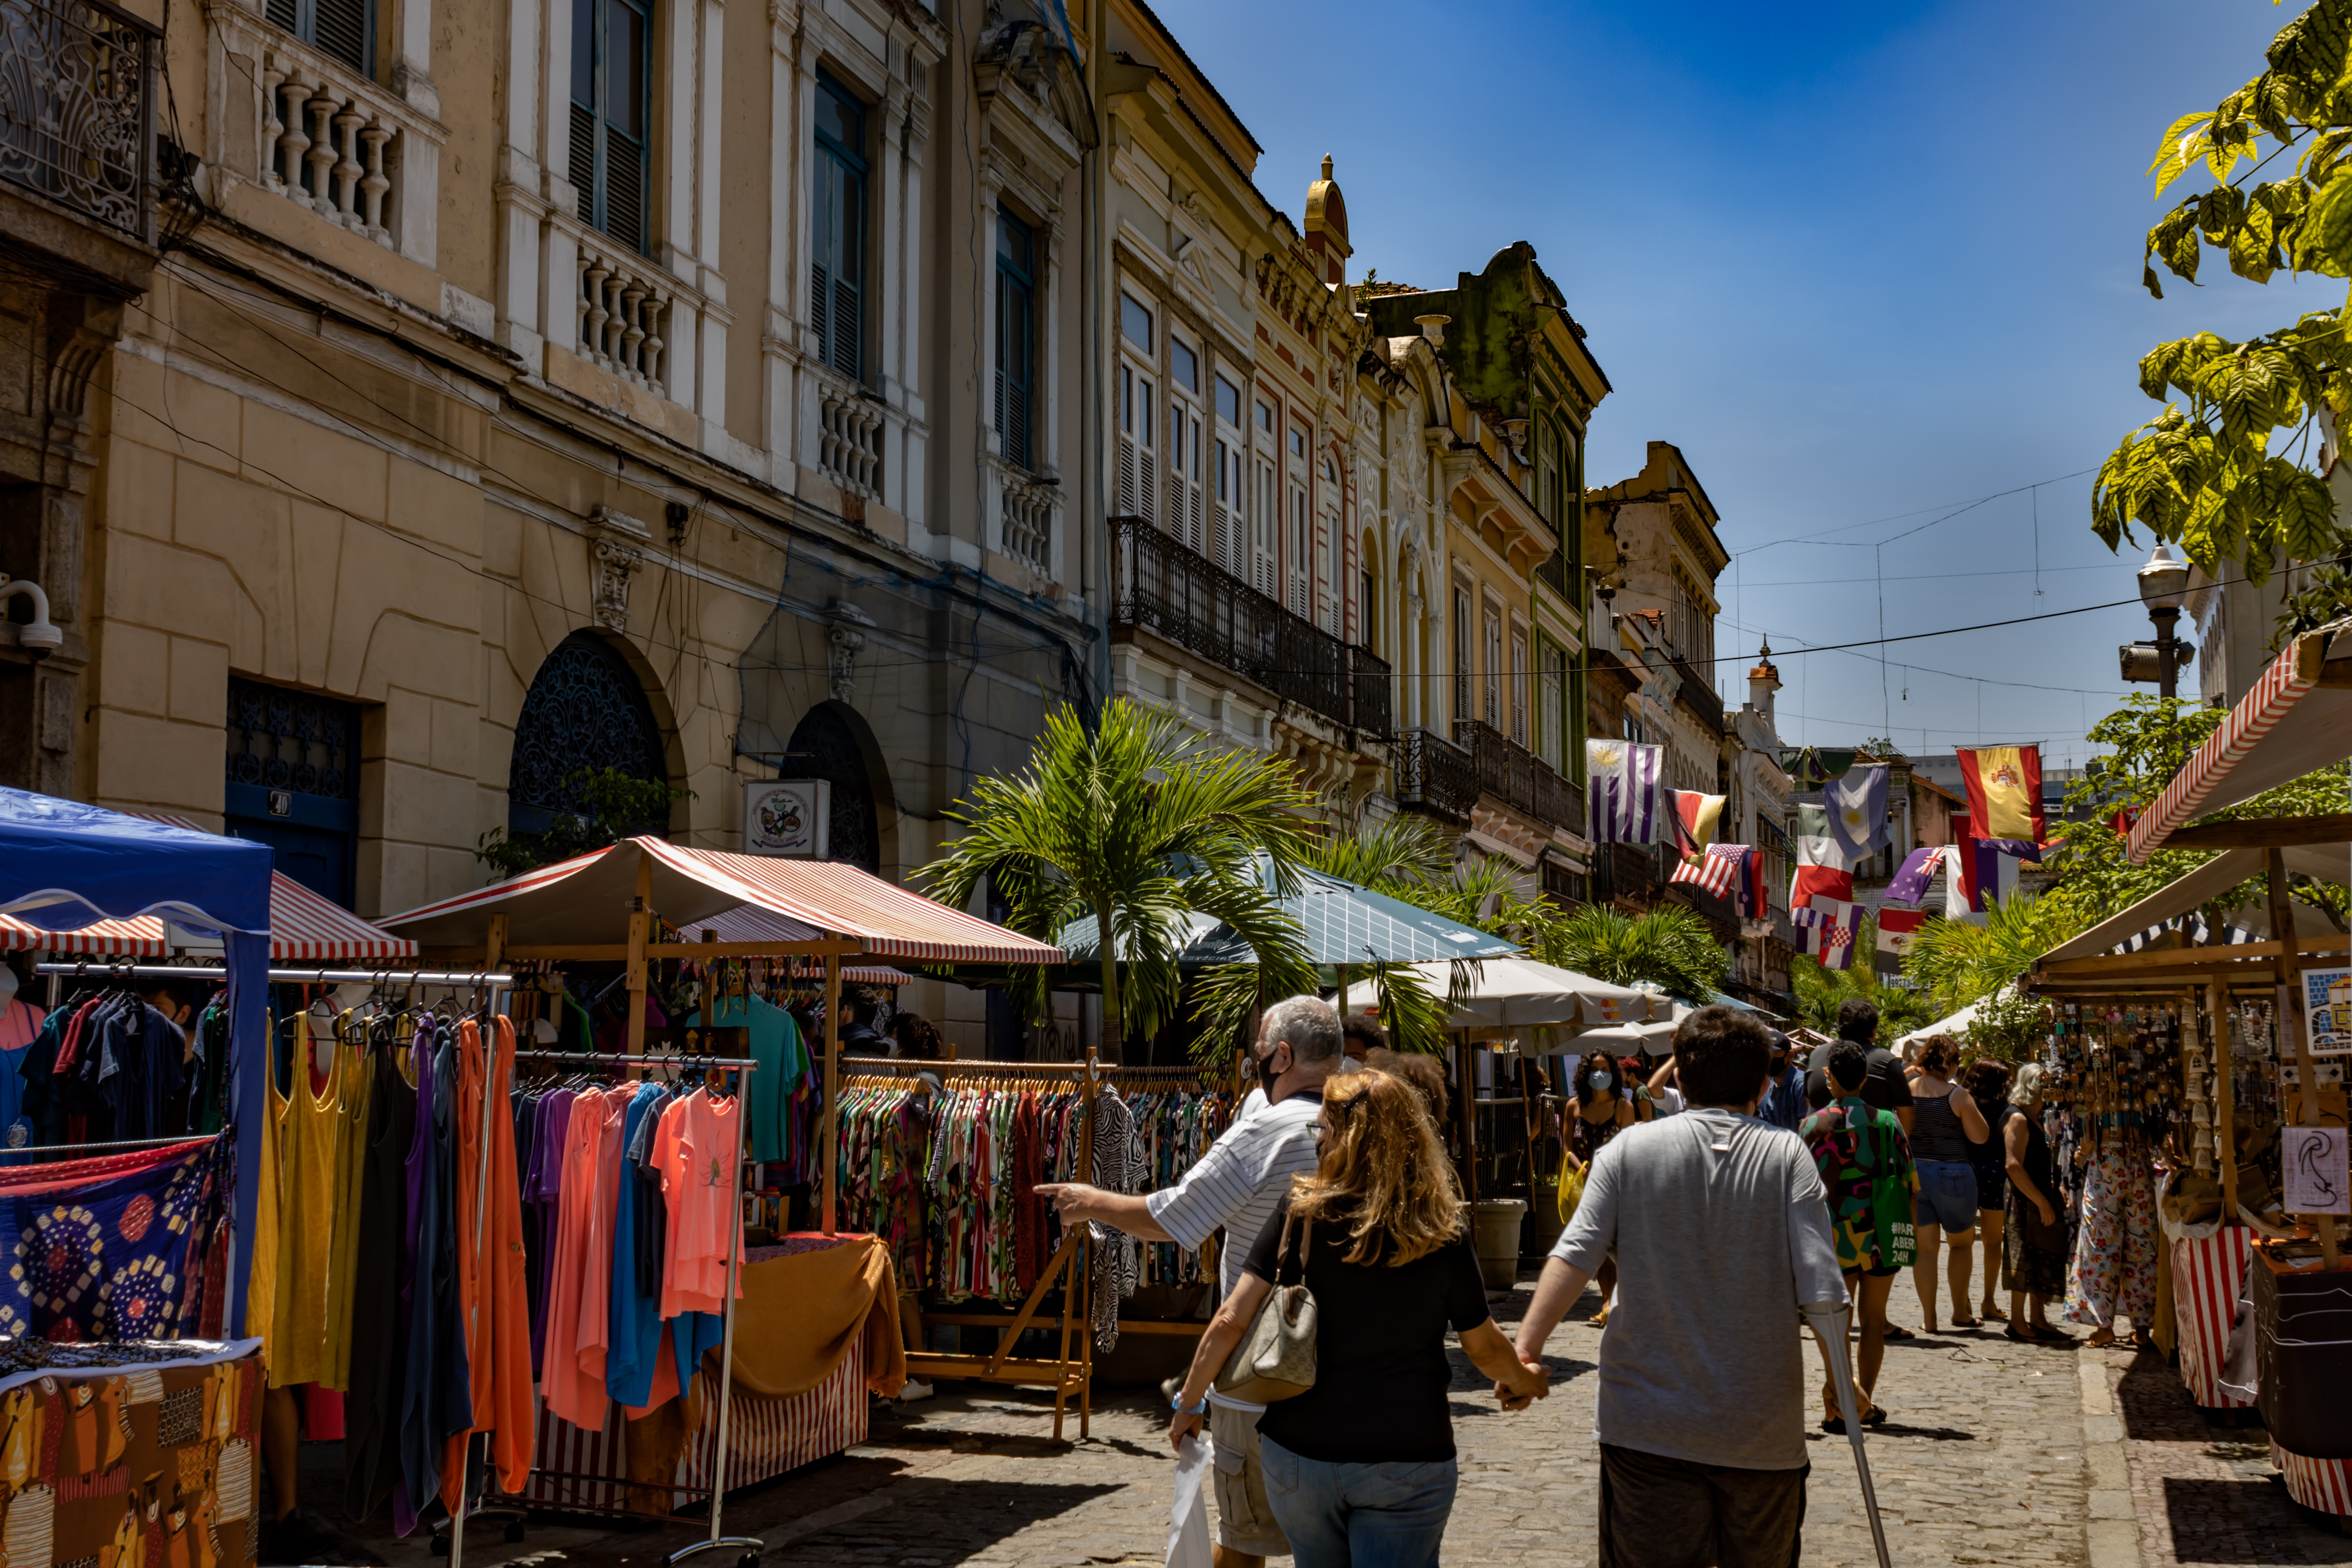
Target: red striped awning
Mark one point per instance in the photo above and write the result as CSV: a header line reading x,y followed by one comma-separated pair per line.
x,y
583,902
303,929
752,923
2256,747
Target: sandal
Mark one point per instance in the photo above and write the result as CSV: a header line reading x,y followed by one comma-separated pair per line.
x,y
1875,1415
1896,1332
1834,1425
1967,1322
1991,1313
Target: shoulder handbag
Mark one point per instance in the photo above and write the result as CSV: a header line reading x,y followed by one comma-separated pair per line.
x,y
1276,1359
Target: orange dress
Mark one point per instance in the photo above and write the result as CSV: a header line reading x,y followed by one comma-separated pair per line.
x,y
492,1294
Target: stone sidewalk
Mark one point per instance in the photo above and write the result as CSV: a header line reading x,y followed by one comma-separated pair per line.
x,y
1996,1454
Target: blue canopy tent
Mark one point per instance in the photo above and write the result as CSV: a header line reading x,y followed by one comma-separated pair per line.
x,y
76,863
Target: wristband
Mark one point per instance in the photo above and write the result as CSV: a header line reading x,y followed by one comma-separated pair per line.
x,y
1176,1402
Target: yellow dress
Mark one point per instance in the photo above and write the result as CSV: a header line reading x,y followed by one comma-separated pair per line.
x,y
307,1123
350,1166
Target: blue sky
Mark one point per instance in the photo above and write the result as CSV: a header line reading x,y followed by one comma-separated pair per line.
x,y
1861,262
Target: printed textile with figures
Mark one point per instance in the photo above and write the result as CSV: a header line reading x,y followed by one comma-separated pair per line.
x,y
134,1466
110,1249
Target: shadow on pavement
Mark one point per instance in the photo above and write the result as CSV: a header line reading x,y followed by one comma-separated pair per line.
x,y
941,1521
2237,1521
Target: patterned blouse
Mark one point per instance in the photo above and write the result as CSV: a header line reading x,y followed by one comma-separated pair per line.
x,y
1858,1151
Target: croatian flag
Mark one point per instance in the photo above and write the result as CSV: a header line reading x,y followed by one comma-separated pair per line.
x,y
1857,810
1828,936
1623,791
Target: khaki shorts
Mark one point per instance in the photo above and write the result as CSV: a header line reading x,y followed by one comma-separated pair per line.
x,y
1244,1519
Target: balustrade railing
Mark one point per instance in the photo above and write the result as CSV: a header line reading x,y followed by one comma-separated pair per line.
x,y
1197,604
625,309
78,107
1436,774
849,440
1026,519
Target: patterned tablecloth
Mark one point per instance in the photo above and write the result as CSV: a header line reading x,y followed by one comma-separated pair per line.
x,y
153,1462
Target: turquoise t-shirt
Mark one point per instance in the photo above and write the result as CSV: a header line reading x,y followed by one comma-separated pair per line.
x,y
776,1048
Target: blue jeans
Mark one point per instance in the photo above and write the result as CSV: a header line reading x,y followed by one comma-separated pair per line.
x,y
1359,1516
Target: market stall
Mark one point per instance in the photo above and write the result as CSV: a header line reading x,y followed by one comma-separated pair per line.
x,y
130,1439
611,906
2260,1116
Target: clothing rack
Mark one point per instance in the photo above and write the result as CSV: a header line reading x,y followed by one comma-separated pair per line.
x,y
750,1545
1066,1374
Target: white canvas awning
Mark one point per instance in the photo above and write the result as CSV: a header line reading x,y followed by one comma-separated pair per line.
x,y
1520,993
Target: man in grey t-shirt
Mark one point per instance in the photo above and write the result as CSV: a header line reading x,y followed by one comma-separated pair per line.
x,y
1725,1234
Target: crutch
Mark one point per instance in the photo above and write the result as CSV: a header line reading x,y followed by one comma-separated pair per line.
x,y
1828,1320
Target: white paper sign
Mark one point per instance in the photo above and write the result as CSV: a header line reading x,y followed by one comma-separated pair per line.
x,y
2316,1181
2327,1011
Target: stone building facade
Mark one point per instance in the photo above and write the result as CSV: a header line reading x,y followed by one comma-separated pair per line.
x,y
551,386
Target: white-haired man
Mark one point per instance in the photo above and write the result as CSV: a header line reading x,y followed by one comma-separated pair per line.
x,y
1237,1185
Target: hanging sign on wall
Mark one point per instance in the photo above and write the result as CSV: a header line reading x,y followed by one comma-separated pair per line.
x,y
2328,1010
2314,1162
786,816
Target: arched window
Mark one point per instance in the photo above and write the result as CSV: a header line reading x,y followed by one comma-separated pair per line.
x,y
825,747
585,709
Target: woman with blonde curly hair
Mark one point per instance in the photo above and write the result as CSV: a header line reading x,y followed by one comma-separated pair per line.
x,y
1360,1469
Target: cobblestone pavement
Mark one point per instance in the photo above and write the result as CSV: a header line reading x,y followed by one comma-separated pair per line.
x,y
2206,1494
1996,1454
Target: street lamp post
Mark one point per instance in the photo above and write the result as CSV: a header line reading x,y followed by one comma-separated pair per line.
x,y
2163,584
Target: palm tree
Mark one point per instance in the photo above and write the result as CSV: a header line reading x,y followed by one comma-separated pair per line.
x,y
1959,961
1668,947
1821,991
1139,823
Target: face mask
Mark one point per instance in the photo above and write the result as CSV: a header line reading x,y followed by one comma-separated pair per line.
x,y
1599,1079
1268,1072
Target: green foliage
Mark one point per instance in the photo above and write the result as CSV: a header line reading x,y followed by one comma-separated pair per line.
x,y
1141,823
1820,991
619,804
1955,962
2151,740
2008,1027
2211,475
1668,947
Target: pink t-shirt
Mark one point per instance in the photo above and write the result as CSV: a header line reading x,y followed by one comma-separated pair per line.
x,y
692,1150
19,1023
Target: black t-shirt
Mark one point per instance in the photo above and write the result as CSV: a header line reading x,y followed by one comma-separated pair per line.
x,y
1381,1371
1884,1089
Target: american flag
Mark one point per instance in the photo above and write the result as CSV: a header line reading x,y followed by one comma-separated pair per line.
x,y
1715,872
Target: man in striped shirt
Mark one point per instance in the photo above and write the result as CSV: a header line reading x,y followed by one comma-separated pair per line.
x,y
1237,1186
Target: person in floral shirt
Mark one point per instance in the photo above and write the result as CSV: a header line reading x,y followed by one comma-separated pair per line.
x,y
1866,1163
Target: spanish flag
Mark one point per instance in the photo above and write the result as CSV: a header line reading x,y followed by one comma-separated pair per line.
x,y
2004,785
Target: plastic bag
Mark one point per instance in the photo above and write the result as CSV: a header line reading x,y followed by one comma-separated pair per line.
x,y
1572,1192
1188,1515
